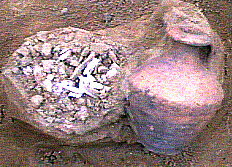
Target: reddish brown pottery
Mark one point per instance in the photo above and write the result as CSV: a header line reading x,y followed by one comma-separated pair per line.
x,y
172,97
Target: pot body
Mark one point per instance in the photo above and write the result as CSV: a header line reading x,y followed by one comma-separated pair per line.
x,y
171,98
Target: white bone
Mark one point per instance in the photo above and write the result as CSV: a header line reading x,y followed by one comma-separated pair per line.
x,y
64,54
27,70
50,77
76,95
111,73
47,84
91,66
81,66
37,70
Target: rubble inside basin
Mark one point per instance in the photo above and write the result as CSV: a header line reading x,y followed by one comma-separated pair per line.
x,y
68,79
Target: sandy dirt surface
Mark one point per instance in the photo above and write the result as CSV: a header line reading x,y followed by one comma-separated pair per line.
x,y
22,145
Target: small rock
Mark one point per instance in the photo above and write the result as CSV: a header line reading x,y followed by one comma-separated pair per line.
x,y
23,51
107,62
37,100
32,51
69,37
62,70
51,36
102,69
47,64
76,50
27,70
113,56
89,104
74,63
114,65
107,88
106,17
99,47
63,12
50,119
27,43
41,112
81,101
85,52
25,61
46,49
70,107
82,114
50,77
41,36
15,70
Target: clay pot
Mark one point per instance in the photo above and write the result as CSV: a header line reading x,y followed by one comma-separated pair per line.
x,y
172,98
176,92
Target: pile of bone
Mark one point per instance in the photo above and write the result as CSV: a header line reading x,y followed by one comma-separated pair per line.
x,y
69,85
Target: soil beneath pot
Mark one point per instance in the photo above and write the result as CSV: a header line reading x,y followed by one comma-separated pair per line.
x,y
22,145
